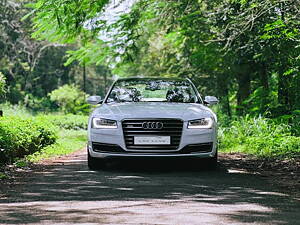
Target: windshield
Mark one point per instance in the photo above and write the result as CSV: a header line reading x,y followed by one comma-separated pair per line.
x,y
152,91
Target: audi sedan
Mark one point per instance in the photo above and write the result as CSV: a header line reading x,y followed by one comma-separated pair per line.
x,y
152,117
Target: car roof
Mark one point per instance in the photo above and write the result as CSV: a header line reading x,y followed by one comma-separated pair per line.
x,y
153,78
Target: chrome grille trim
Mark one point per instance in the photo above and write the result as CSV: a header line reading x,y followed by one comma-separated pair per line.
x,y
134,127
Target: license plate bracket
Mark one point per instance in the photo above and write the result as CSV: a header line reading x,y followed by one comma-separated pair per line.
x,y
152,140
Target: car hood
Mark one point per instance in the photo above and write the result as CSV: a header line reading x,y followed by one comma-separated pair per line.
x,y
120,111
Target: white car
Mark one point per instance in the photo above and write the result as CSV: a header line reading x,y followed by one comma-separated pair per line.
x,y
152,117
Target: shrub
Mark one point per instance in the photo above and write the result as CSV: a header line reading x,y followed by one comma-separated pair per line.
x,y
20,137
70,99
68,141
2,84
69,122
36,104
293,119
259,136
15,110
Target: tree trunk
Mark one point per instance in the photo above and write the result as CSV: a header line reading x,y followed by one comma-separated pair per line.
x,y
105,82
264,79
223,92
243,80
283,92
84,77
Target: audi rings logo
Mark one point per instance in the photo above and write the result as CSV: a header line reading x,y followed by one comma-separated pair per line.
x,y
153,125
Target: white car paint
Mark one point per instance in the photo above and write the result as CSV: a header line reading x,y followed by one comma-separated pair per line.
x,y
151,110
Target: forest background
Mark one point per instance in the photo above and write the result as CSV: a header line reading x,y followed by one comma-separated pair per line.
x,y
54,53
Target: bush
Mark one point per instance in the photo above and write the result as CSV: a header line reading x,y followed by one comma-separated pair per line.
x,y
68,141
14,94
69,122
293,119
15,110
259,136
2,84
70,99
36,104
20,137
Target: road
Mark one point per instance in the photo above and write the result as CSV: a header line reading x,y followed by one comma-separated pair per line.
x,y
153,192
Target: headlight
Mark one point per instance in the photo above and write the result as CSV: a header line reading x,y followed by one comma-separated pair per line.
x,y
204,123
99,123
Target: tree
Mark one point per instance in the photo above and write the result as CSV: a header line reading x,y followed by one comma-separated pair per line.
x,y
244,51
70,99
32,68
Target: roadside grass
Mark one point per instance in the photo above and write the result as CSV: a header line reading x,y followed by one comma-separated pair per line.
x,y
3,176
21,136
66,121
68,141
26,125
259,136
70,131
15,110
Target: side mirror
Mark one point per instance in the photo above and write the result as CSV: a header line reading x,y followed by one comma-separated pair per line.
x,y
94,100
211,100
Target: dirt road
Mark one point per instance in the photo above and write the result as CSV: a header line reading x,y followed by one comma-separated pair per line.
x,y
153,192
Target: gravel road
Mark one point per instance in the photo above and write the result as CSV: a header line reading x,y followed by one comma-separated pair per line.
x,y
151,192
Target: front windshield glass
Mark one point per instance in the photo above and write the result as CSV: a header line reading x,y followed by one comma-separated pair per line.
x,y
152,91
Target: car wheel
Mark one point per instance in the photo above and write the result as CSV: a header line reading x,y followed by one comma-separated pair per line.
x,y
95,163
212,163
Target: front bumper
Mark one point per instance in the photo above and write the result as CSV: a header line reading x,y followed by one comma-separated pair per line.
x,y
189,137
149,155
101,150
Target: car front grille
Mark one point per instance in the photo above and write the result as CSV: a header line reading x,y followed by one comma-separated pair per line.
x,y
134,127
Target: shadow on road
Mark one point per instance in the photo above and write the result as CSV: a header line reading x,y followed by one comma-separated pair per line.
x,y
145,192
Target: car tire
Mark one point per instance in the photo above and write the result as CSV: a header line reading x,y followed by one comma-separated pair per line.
x,y
95,163
212,163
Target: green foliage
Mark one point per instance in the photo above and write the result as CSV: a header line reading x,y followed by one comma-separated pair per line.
x,y
21,163
246,52
68,142
39,104
70,99
231,45
67,122
3,176
259,136
44,135
31,68
20,137
15,110
94,52
59,20
292,119
2,84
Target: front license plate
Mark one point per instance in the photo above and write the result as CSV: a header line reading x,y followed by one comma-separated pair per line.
x,y
157,140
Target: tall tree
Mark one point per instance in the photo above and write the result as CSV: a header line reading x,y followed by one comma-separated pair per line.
x,y
245,51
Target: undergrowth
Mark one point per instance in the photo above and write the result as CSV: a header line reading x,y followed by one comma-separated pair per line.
x,y
68,142
259,136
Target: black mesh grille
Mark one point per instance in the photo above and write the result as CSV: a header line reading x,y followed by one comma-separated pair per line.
x,y
103,147
194,148
171,127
